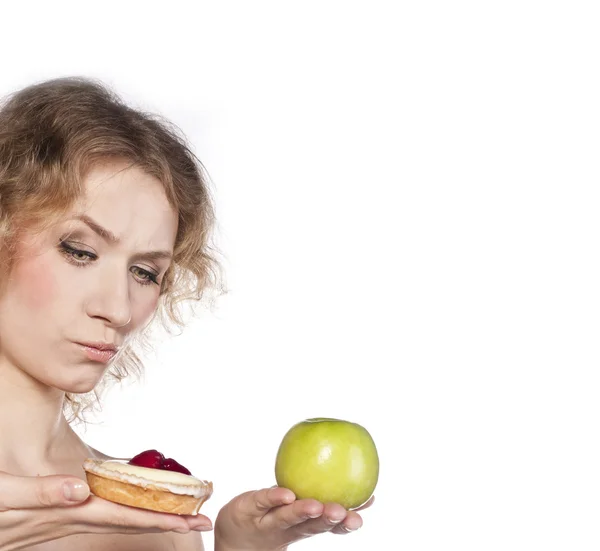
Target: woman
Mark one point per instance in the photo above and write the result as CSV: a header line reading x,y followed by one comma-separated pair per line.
x,y
105,221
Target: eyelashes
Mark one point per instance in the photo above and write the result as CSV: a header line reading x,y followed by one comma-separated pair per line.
x,y
81,259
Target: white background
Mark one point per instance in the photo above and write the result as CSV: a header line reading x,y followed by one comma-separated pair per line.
x,y
408,210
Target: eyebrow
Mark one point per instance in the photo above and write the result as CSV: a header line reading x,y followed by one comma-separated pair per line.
x,y
110,237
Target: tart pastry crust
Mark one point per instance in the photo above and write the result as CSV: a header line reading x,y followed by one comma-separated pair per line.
x,y
154,489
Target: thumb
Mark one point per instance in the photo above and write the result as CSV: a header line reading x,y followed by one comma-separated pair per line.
x,y
32,492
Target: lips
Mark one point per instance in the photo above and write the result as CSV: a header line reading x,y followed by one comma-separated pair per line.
x,y
99,352
99,346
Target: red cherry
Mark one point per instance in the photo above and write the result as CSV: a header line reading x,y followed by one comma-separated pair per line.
x,y
170,464
152,459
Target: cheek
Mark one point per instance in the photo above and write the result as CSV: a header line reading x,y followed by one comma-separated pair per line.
x,y
37,284
143,309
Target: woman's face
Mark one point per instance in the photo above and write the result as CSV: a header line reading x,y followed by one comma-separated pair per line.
x,y
93,279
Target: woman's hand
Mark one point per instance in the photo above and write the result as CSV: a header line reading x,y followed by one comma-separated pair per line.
x,y
38,509
272,518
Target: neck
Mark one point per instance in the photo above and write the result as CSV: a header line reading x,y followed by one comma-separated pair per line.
x,y
33,429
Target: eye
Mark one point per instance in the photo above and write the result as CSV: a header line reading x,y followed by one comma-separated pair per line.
x,y
80,255
144,277
82,258
76,256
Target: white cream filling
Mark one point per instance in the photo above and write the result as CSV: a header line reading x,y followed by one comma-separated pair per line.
x,y
177,483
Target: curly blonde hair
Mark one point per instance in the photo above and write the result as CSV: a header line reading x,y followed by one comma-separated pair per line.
x,y
51,134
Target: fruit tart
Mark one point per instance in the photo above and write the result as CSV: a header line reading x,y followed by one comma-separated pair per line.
x,y
148,481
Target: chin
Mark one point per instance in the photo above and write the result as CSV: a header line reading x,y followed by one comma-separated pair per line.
x,y
81,388
76,388
80,385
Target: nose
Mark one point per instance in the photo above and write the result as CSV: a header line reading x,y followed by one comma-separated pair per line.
x,y
110,300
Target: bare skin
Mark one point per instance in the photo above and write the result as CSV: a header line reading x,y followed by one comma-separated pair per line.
x,y
87,289
74,284
272,518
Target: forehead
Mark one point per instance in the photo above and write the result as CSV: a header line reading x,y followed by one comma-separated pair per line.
x,y
129,203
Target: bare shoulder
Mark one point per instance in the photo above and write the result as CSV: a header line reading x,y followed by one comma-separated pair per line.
x,y
84,450
96,454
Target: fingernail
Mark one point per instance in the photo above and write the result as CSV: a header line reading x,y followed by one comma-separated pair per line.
x,y
203,528
348,529
334,520
75,491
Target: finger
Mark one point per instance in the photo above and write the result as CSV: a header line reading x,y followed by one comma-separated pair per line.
x,y
101,516
351,523
291,515
32,492
199,522
332,515
259,502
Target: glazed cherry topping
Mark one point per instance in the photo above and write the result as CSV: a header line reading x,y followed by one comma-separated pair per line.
x,y
153,459
170,464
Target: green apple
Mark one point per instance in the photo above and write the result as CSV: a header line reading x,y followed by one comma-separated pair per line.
x,y
330,460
